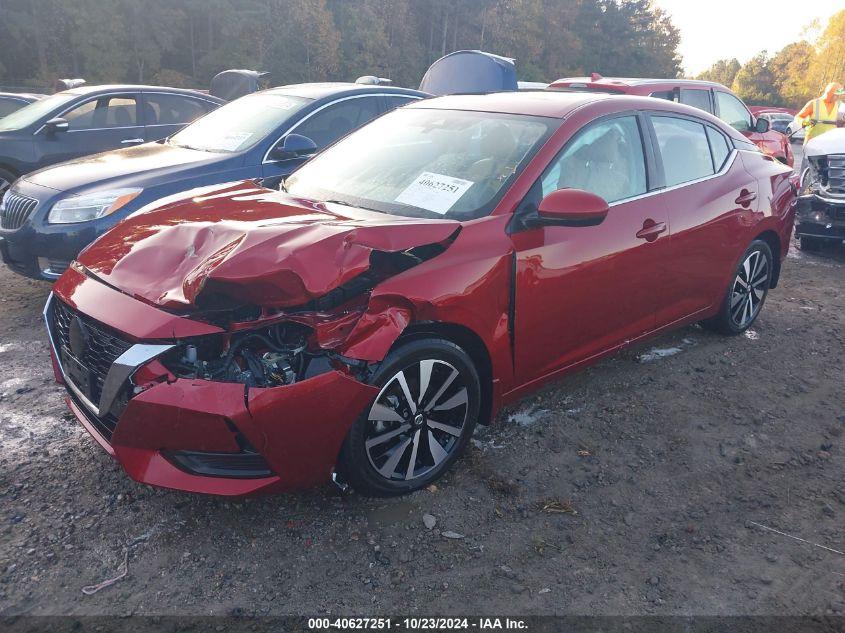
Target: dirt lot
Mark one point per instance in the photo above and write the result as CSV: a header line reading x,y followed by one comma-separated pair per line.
x,y
635,487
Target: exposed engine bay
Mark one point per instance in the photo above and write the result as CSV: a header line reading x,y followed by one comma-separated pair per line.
x,y
294,344
269,357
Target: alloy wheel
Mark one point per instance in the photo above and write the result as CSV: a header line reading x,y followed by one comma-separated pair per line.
x,y
417,420
749,289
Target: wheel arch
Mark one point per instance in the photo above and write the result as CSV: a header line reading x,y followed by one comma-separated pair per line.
x,y
471,343
771,238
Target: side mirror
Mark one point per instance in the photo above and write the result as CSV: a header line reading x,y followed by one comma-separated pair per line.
x,y
294,146
572,207
761,126
56,125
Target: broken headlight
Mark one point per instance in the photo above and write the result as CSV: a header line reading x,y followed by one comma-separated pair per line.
x,y
810,179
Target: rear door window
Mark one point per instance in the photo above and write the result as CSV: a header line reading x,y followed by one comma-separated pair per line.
x,y
396,101
668,95
697,98
168,109
684,149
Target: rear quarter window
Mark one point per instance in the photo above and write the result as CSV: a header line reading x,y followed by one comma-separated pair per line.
x,y
719,147
746,145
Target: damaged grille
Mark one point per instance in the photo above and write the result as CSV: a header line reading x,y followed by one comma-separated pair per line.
x,y
836,174
86,350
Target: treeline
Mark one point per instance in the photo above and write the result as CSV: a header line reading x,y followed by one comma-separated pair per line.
x,y
792,76
185,42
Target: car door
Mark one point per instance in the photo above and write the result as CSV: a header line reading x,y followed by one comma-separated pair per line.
x,y
167,113
98,124
324,126
709,197
582,290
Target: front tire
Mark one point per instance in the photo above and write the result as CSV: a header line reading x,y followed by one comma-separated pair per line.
x,y
747,291
418,424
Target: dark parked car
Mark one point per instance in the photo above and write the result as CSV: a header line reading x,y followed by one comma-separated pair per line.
x,y
439,263
14,101
88,120
48,216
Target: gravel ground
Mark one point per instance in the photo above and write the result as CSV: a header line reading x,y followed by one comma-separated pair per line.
x,y
639,486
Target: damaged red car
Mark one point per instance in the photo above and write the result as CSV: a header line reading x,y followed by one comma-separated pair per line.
x,y
436,264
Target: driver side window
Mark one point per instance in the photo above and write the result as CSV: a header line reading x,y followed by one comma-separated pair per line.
x,y
604,158
104,112
339,119
733,112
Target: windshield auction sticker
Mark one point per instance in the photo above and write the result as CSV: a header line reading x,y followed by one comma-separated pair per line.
x,y
434,192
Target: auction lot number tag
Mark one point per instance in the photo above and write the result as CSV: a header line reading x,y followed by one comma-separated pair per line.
x,y
419,624
434,192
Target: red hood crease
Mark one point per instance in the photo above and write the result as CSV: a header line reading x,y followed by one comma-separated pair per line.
x,y
251,244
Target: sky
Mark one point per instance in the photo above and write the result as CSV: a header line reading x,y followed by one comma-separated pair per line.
x,y
722,29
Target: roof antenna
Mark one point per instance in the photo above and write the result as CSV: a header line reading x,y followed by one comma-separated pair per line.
x,y
595,77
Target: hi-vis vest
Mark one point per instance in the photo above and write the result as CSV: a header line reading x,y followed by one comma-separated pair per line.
x,y
821,112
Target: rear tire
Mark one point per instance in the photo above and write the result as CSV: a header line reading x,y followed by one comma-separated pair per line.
x,y
424,413
746,293
809,244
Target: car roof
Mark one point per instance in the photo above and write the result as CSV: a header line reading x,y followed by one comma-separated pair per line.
x,y
561,103
23,96
632,82
555,104
335,88
93,90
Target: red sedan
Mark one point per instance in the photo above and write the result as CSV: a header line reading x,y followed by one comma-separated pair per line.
x,y
436,264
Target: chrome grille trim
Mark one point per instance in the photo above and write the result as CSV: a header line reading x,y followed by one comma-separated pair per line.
x,y
16,210
836,174
117,374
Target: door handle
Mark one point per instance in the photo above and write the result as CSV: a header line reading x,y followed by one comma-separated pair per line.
x,y
127,141
746,198
651,230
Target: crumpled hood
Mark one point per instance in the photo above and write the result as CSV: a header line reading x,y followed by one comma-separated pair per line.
x,y
250,244
832,142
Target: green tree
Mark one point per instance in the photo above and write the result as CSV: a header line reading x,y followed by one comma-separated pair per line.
x,y
723,72
755,82
791,73
829,64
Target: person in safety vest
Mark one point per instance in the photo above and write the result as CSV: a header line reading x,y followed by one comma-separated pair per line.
x,y
819,115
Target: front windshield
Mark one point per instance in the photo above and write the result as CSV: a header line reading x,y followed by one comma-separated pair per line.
x,y
31,113
239,125
425,163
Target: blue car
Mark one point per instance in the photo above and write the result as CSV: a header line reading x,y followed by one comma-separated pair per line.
x,y
48,216
90,119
